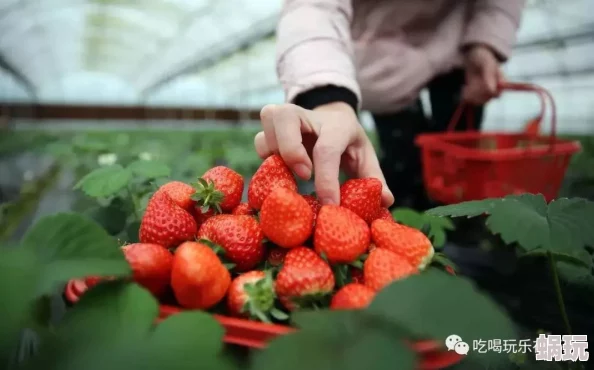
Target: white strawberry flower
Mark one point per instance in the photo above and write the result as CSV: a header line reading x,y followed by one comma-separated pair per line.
x,y
107,159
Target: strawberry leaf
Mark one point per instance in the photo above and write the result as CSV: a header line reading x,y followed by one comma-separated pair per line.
x,y
72,246
105,181
149,169
435,227
562,225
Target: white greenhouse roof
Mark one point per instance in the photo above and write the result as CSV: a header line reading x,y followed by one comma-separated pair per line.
x,y
221,53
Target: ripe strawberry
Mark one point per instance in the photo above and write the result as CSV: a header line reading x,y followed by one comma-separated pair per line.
x,y
286,218
406,241
383,267
198,277
382,214
251,295
180,192
151,266
243,209
91,281
240,237
273,173
220,188
305,277
356,275
362,196
201,217
165,223
352,296
276,256
314,204
340,234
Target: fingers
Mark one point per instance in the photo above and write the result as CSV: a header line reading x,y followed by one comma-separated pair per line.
x,y
282,133
326,157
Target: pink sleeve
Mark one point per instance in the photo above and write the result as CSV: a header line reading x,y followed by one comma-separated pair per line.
x,y
495,23
314,46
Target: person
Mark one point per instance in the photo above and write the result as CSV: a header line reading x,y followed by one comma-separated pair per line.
x,y
335,57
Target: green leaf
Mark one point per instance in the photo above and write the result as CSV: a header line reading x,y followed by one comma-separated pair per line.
x,y
112,327
435,227
337,340
105,181
149,169
526,219
435,305
577,257
19,275
72,246
112,218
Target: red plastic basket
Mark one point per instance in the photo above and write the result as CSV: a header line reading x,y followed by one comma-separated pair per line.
x,y
472,165
432,355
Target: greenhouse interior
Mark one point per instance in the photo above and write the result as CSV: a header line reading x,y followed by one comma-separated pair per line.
x,y
152,213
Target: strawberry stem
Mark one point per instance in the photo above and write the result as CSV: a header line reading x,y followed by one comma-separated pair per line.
x,y
207,196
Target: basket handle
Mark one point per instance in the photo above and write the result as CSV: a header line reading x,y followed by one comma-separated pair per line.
x,y
542,93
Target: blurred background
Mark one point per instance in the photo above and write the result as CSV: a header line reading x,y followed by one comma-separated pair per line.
x,y
87,83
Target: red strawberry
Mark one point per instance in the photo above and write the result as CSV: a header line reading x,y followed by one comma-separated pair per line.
x,y
180,192
273,173
276,256
352,296
383,267
243,209
220,188
406,241
151,266
382,214
251,295
286,218
198,277
240,237
304,277
362,196
91,281
165,223
356,275
314,204
201,217
340,234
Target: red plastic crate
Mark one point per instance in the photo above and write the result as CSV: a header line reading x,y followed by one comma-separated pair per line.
x,y
255,335
471,165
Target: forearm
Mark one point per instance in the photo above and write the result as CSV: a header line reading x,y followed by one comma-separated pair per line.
x,y
314,53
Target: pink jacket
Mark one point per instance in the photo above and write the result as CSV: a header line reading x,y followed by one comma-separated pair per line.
x,y
385,51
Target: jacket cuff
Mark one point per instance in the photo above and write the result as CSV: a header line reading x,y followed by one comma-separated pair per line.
x,y
325,95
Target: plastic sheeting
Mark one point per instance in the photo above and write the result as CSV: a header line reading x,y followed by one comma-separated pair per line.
x,y
221,53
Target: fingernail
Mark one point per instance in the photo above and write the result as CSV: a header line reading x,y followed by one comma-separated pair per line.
x,y
302,171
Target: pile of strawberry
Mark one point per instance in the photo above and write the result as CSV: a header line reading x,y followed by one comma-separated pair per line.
x,y
278,252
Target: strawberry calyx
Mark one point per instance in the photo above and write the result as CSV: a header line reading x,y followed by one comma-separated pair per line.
x,y
315,300
207,196
219,251
260,299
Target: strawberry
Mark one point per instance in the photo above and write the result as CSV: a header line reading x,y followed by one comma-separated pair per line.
x,y
91,281
243,209
406,241
305,277
383,267
272,173
240,237
165,223
352,296
340,234
382,214
198,277
201,217
251,295
151,266
314,204
180,192
286,218
220,188
356,275
362,196
276,256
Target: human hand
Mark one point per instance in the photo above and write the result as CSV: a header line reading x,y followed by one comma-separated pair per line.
x,y
327,138
483,75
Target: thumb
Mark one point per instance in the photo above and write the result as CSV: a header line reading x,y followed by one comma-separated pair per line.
x,y
490,76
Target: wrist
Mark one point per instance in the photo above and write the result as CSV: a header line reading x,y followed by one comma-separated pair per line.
x,y
479,48
337,106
